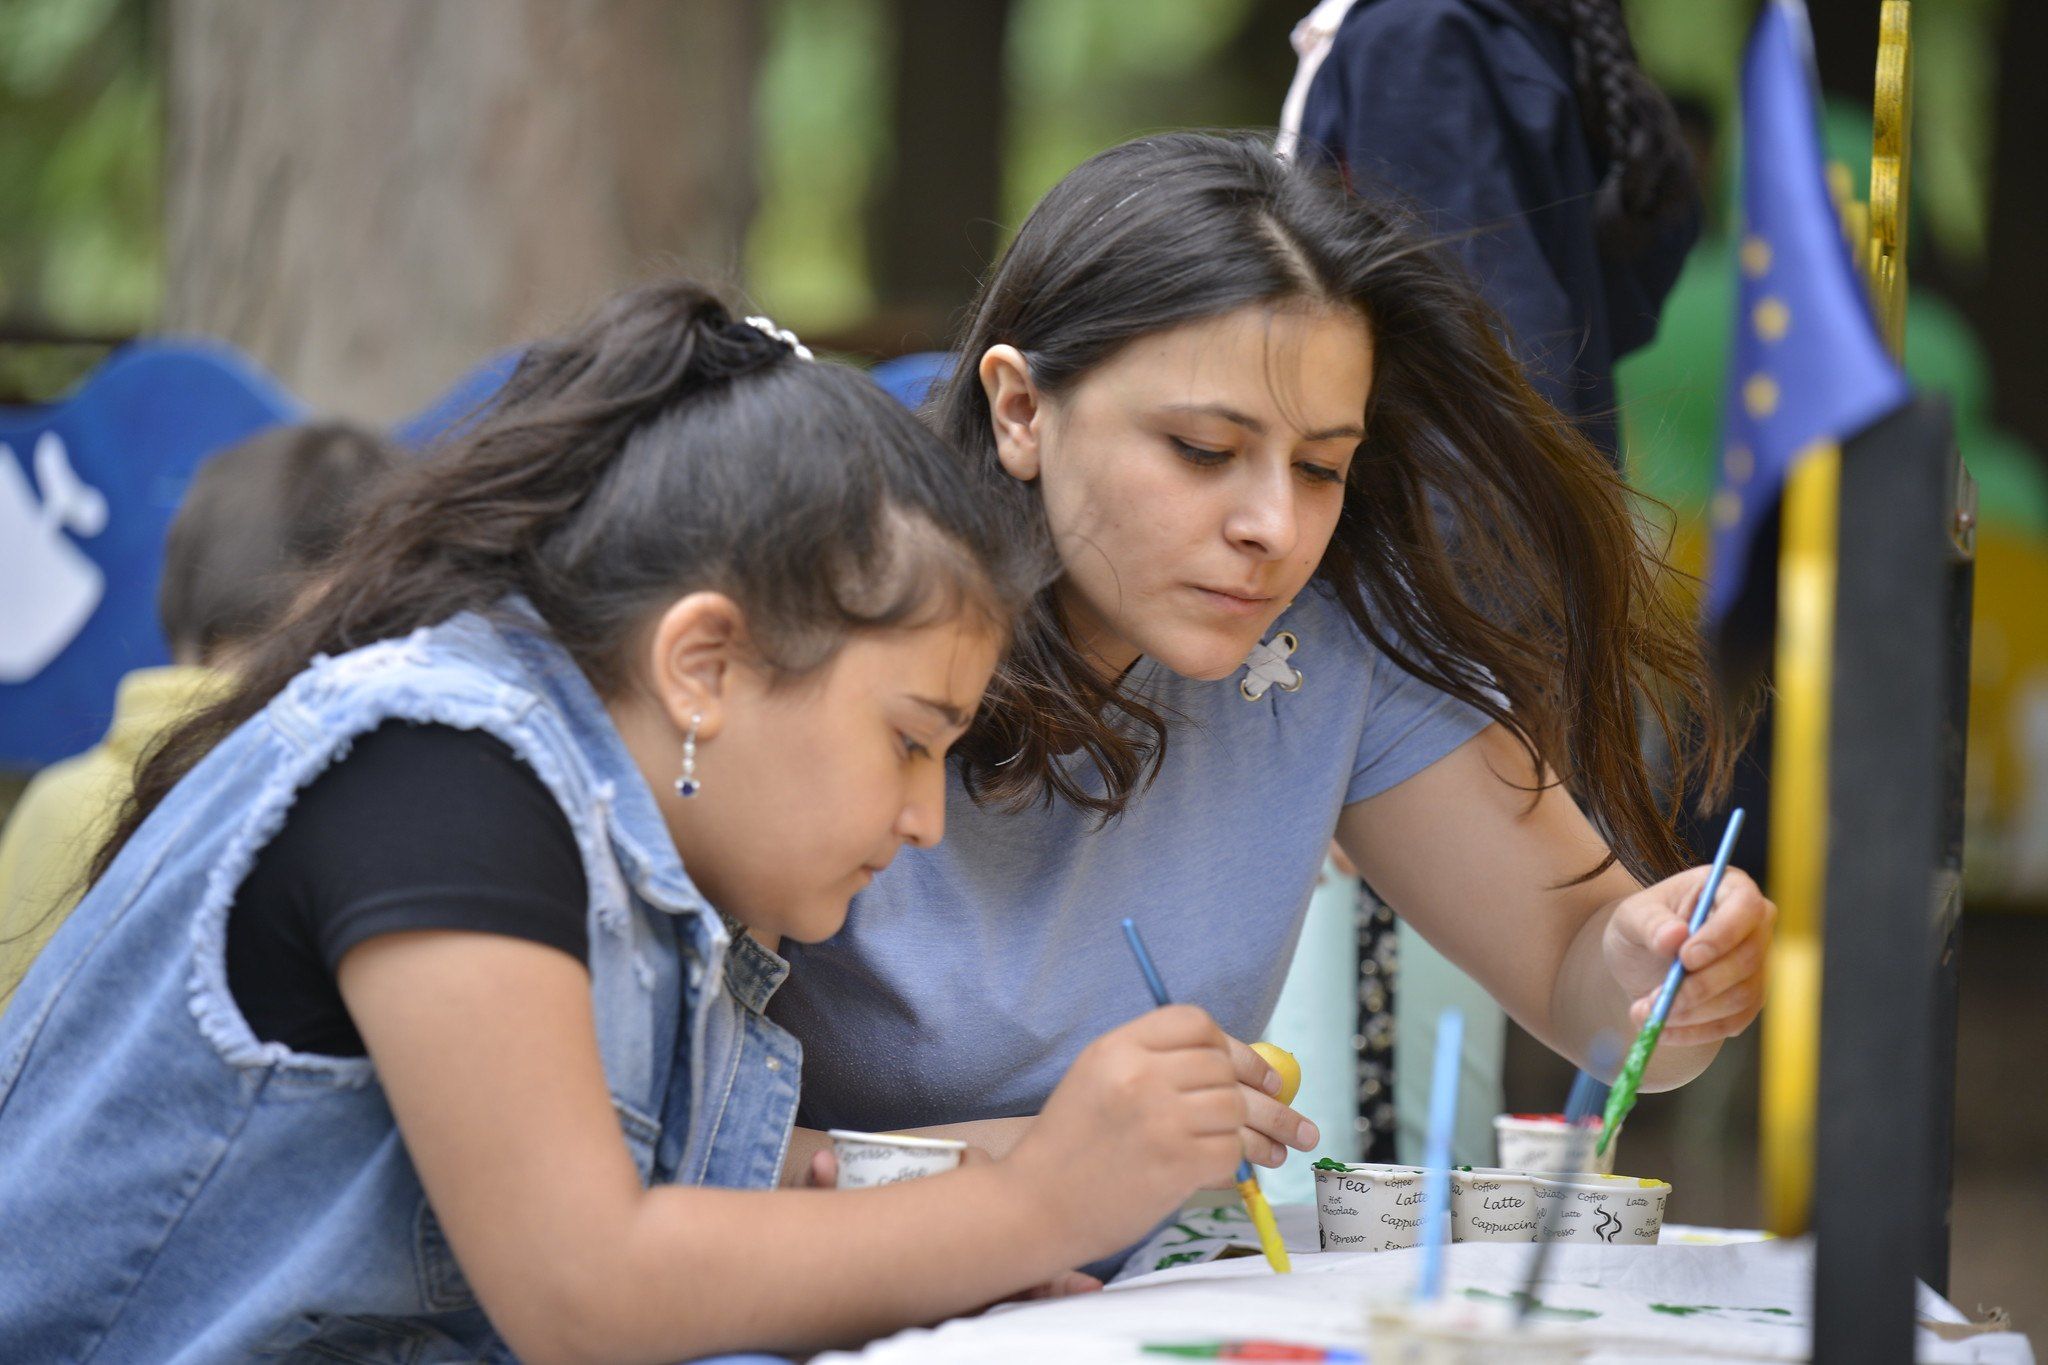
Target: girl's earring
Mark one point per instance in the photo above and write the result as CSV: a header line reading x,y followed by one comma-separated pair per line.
x,y
687,784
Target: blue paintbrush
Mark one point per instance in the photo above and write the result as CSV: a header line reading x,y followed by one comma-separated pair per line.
x,y
1585,1098
1247,1184
1436,1179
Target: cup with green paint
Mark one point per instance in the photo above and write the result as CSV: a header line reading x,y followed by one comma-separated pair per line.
x,y
1365,1206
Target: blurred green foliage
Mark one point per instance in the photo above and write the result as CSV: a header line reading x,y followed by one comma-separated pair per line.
x,y
82,147
81,165
821,112
1084,76
81,170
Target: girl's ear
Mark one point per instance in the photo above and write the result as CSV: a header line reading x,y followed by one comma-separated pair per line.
x,y
697,645
1016,410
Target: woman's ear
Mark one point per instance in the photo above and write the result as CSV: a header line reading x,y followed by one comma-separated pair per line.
x,y
1016,410
696,647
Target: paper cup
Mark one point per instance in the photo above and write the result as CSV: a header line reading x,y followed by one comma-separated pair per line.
x,y
1490,1205
869,1159
1617,1210
1367,1207
1544,1142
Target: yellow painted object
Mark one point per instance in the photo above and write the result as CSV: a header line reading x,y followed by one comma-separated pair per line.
x,y
1806,612
1798,843
1269,1231
2006,818
1282,1061
1891,170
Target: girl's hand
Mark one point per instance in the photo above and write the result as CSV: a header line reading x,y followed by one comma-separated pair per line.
x,y
1147,1114
1270,1127
1725,962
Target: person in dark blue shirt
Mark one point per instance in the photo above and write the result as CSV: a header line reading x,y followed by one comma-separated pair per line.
x,y
1526,135
1525,132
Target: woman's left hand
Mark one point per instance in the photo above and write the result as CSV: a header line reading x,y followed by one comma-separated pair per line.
x,y
1724,963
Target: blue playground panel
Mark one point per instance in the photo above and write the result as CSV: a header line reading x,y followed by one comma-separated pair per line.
x,y
88,486
132,433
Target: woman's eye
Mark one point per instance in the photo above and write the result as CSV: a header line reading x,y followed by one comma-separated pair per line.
x,y
1200,455
911,748
1320,473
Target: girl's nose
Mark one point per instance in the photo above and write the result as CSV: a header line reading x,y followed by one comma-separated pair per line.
x,y
922,820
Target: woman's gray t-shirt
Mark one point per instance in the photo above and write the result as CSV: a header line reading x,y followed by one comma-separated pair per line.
x,y
969,976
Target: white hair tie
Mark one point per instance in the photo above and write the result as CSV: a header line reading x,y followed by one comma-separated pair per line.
x,y
781,334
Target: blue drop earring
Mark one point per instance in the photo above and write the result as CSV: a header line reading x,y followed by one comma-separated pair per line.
x,y
687,784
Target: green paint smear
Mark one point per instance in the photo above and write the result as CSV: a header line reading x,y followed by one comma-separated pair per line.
x,y
1622,1098
1536,1306
1686,1310
1324,1163
1466,1169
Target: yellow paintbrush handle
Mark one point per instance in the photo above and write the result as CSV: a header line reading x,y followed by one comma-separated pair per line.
x,y
1269,1231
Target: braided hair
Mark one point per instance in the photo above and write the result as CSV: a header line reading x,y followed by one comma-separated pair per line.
x,y
1649,168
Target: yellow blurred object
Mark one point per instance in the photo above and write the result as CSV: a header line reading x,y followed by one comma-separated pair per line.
x,y
2006,862
1262,1220
1282,1061
1804,678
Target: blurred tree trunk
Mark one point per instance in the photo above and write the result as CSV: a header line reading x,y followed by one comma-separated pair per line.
x,y
370,196
935,214
2011,307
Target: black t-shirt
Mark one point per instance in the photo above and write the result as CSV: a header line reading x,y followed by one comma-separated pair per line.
x,y
416,827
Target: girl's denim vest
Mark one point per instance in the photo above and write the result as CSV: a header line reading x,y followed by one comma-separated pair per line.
x,y
174,1189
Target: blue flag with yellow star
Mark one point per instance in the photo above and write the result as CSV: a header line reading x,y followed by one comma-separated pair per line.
x,y
1808,366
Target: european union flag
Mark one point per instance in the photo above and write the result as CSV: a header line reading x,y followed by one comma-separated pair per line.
x,y
1808,366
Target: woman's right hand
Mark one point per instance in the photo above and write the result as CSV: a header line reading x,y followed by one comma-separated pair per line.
x,y
1148,1114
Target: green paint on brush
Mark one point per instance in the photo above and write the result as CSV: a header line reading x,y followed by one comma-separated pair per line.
x,y
1535,1305
1622,1098
1686,1310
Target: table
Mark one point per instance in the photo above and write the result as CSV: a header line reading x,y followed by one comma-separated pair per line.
x,y
1683,1300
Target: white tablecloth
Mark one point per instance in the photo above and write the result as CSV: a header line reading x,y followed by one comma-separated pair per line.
x,y
1746,1300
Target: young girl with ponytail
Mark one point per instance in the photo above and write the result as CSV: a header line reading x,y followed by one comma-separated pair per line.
x,y
416,1009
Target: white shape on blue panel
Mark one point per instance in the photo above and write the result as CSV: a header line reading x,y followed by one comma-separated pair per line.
x,y
48,589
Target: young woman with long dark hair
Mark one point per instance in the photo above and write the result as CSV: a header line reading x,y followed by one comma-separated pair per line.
x,y
1329,565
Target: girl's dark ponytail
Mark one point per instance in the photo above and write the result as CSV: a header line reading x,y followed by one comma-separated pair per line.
x,y
666,446
1649,168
